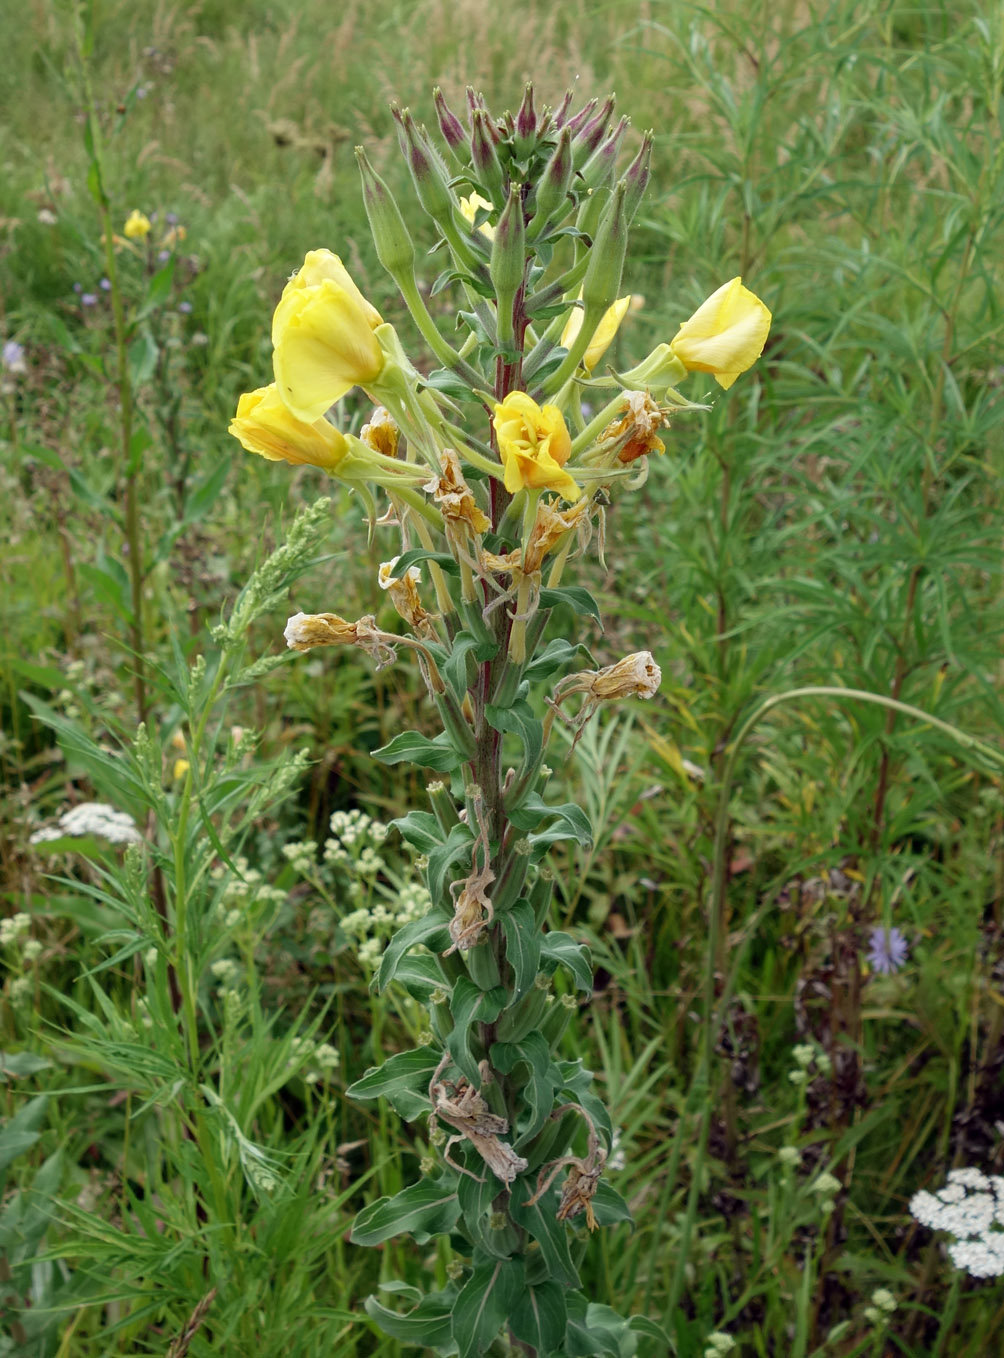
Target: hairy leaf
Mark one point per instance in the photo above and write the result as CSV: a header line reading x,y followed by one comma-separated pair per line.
x,y
424,1209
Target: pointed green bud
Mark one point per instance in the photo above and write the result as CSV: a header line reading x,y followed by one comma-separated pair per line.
x,y
552,190
602,165
592,134
394,247
602,284
582,117
427,170
561,112
508,262
636,176
526,123
591,210
449,124
484,157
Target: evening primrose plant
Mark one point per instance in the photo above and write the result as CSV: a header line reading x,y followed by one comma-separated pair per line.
x,y
488,479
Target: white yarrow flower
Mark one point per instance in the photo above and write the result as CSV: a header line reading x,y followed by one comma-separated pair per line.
x,y
970,1207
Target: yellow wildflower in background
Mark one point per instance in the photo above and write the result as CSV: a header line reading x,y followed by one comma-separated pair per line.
x,y
603,334
469,210
137,225
265,425
725,335
534,445
322,333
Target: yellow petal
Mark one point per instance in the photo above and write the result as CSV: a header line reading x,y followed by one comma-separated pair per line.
x,y
726,334
137,225
602,335
265,425
324,345
534,445
469,211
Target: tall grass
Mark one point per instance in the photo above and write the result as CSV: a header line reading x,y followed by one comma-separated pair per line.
x,y
836,522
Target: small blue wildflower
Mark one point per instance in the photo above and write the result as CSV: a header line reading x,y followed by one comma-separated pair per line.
x,y
88,299
13,357
163,256
887,950
185,308
105,285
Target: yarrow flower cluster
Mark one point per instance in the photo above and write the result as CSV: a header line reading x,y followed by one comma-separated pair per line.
x,y
91,818
970,1207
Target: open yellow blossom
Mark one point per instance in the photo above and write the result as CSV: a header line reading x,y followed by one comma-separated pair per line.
x,y
603,334
322,333
725,335
264,425
469,210
534,446
137,225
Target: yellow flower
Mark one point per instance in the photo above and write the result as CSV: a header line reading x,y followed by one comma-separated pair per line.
x,y
264,425
322,333
602,335
137,225
725,335
469,210
534,446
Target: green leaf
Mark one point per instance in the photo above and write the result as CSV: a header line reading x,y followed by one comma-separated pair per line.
x,y
596,1330
544,1078
431,930
561,948
420,829
540,1316
457,844
555,656
521,721
428,1326
471,1004
419,554
549,1233
577,598
455,668
476,1200
19,1132
578,1082
20,1064
420,974
567,821
522,946
437,754
159,288
403,1080
485,1303
422,1210
609,1207
642,1325
142,358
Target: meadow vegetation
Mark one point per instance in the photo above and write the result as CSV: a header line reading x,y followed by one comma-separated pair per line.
x,y
180,1166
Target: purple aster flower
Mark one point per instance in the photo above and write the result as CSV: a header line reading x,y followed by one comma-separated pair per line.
x,y
78,288
13,357
105,285
171,218
185,308
88,299
163,256
887,950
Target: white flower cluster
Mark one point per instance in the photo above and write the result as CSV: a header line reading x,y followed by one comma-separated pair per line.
x,y
14,928
323,1057
718,1344
240,892
91,818
970,1207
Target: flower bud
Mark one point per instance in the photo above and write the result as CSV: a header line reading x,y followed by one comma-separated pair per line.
x,y
602,280
390,235
552,190
427,171
590,136
526,123
637,175
484,157
508,261
601,166
561,112
575,123
449,124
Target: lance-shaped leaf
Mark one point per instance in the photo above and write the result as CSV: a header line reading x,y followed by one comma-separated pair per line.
x,y
420,974
642,1325
540,1316
558,947
540,1221
403,1080
578,1082
565,821
485,1303
555,656
544,1078
476,1206
597,1330
423,1210
420,829
412,746
431,930
471,1004
522,946
419,554
428,1326
455,668
609,1207
519,719
577,598
456,845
